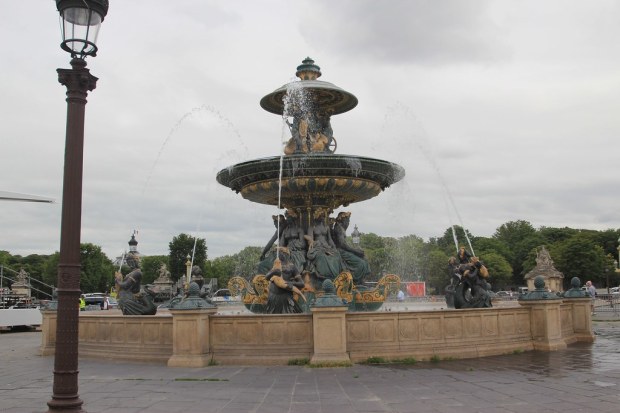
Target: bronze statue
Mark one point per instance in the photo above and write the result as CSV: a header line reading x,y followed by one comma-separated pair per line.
x,y
284,280
132,300
293,239
455,279
472,291
353,257
463,255
323,256
268,255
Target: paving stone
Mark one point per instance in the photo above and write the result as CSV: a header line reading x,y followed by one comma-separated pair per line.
x,y
581,378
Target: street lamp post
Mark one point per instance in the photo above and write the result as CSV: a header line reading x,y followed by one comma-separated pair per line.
x,y
81,20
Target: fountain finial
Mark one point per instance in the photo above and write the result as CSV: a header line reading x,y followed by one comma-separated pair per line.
x,y
307,70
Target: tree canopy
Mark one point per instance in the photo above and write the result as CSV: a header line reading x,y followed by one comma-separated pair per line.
x,y
509,254
181,247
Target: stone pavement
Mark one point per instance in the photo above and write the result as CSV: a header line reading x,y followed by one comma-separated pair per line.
x,y
582,378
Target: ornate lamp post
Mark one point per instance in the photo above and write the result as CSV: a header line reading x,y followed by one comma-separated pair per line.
x,y
80,22
356,236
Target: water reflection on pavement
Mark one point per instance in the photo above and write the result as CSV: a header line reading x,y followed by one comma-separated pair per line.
x,y
597,358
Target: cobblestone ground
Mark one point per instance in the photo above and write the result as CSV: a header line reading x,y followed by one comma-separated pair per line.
x,y
582,378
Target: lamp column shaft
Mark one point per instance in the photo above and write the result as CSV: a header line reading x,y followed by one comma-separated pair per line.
x,y
79,82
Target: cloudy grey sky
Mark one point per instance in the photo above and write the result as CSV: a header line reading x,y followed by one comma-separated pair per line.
x,y
498,111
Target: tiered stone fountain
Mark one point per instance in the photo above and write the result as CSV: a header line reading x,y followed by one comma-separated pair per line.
x,y
310,181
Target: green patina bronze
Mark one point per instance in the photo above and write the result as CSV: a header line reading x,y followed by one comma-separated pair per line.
x,y
310,181
192,301
575,291
540,292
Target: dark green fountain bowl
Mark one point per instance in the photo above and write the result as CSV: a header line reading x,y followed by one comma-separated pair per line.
x,y
311,179
324,95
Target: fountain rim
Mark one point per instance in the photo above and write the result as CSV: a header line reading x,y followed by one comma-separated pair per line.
x,y
270,104
226,176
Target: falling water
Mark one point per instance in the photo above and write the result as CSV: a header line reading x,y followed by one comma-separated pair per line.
x,y
355,165
215,114
404,111
199,109
295,100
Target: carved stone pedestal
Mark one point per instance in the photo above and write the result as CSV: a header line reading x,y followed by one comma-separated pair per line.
x,y
190,331
545,324
48,332
582,319
330,335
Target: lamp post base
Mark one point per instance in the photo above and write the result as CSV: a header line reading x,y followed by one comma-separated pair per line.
x,y
73,406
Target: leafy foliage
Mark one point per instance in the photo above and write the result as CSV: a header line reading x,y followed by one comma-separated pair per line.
x,y
579,257
150,267
499,268
96,275
446,242
509,254
242,264
521,238
180,248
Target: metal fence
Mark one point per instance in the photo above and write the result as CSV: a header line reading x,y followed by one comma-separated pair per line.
x,y
607,303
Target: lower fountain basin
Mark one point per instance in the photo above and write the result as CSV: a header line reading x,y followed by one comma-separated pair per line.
x,y
311,179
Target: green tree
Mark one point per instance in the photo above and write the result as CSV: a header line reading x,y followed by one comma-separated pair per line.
x,y
97,271
371,241
553,235
245,262
446,241
485,245
513,232
608,239
520,237
579,257
50,270
500,271
4,257
182,246
150,267
436,270
379,261
242,264
33,265
221,268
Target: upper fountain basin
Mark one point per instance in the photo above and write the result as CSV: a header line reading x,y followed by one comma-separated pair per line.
x,y
324,95
311,179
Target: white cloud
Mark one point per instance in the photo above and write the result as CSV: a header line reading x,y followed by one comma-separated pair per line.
x,y
509,108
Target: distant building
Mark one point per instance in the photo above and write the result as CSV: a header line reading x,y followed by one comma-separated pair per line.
x,y
131,257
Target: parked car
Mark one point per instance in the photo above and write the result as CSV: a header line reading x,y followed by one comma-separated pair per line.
x,y
94,299
615,291
504,294
112,303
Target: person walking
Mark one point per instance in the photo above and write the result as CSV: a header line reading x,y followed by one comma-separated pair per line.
x,y
592,291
